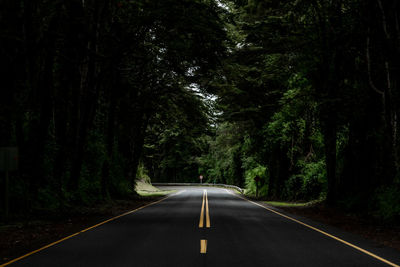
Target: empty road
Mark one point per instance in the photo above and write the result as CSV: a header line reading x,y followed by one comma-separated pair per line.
x,y
211,227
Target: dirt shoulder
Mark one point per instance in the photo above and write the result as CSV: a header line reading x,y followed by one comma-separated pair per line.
x,y
23,236
367,227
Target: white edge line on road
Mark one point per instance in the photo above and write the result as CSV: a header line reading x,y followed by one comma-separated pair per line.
x,y
229,192
325,233
87,229
178,193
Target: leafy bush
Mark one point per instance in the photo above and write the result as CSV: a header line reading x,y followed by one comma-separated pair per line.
x,y
293,187
142,174
89,191
124,189
312,187
46,199
388,203
314,183
307,185
251,186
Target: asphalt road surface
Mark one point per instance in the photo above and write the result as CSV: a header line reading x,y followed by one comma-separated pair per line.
x,y
211,227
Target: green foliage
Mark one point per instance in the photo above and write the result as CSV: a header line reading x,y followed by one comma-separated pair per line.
x,y
388,203
89,191
293,187
142,174
104,86
309,184
223,161
314,183
175,139
119,185
123,189
46,198
302,93
251,185
292,204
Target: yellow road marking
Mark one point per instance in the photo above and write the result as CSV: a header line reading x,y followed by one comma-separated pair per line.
x,y
201,222
207,212
84,230
203,242
326,234
203,246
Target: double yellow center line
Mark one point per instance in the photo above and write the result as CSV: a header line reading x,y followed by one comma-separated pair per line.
x,y
207,213
203,242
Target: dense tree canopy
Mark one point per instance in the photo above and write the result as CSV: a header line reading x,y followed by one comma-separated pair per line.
x,y
85,80
302,94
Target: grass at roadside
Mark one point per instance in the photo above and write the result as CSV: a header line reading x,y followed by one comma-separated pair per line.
x,y
291,204
155,194
147,190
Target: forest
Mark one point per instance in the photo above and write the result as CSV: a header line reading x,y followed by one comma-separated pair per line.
x,y
302,94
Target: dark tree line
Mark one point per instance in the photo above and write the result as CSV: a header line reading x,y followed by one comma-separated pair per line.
x,y
302,94
309,99
83,80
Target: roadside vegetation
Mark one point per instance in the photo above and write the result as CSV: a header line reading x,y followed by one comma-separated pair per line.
x,y
308,104
144,188
90,87
292,204
294,101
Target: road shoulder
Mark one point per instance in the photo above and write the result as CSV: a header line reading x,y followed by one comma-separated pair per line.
x,y
23,236
375,238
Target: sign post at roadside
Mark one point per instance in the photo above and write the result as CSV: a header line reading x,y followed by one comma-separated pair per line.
x,y
8,162
201,179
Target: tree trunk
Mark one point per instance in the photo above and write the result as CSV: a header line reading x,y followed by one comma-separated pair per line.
x,y
136,146
330,136
88,105
105,177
